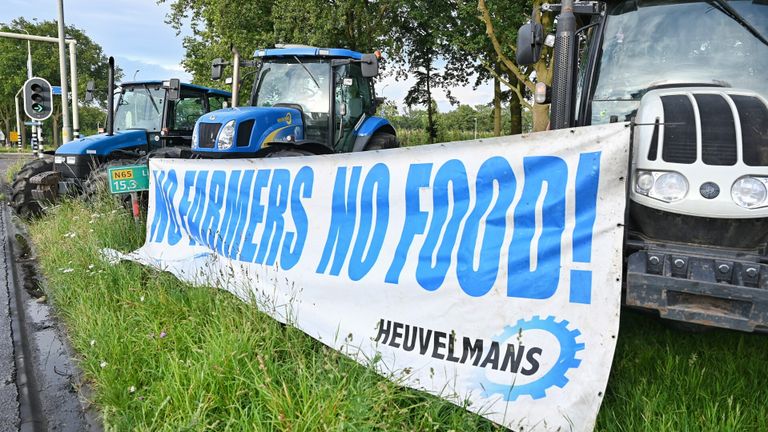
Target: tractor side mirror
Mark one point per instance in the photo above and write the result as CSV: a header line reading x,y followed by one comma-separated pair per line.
x,y
89,87
173,86
217,68
530,39
369,66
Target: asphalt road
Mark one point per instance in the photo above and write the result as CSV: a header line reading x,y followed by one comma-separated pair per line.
x,y
40,389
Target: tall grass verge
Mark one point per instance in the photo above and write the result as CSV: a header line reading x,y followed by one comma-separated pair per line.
x,y
162,355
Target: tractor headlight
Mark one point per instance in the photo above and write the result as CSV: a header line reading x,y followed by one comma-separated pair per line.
x,y
58,159
749,192
71,160
667,186
227,135
195,144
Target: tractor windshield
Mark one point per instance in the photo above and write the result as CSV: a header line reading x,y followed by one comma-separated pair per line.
x,y
305,83
140,107
648,44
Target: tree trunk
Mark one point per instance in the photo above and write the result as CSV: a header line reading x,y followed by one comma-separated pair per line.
x,y
496,105
56,132
432,130
540,117
515,115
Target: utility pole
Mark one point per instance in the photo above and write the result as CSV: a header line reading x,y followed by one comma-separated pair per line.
x,y
66,126
29,57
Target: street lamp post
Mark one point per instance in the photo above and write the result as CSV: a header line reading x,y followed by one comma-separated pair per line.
x,y
29,57
66,125
475,127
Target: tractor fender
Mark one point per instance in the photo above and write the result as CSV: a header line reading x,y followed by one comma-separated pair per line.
x,y
369,128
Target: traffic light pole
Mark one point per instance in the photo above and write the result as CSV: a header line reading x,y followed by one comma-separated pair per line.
x,y
18,118
72,55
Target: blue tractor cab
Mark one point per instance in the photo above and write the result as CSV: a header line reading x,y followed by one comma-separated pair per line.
x,y
149,118
304,100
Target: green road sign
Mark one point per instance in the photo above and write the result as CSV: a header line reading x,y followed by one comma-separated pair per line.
x,y
128,178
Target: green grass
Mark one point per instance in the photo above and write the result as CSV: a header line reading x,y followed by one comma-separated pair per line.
x,y
13,169
199,359
14,149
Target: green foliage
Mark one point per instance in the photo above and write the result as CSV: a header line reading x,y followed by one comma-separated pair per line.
x,y
456,125
91,65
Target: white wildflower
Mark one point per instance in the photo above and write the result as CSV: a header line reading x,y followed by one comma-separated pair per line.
x,y
103,364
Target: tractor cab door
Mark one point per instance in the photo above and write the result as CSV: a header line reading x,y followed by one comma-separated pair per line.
x,y
181,117
353,100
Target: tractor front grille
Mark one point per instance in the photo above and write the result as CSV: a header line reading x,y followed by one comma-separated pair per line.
x,y
207,133
753,116
244,130
714,130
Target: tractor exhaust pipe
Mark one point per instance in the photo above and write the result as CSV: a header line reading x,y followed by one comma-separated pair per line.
x,y
111,98
563,87
235,77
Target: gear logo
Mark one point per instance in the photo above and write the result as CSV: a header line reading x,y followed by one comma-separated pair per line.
x,y
555,376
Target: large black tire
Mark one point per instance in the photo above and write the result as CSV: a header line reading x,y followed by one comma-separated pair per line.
x,y
382,140
22,201
97,183
288,152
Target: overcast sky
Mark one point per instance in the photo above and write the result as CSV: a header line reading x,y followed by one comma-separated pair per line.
x,y
134,33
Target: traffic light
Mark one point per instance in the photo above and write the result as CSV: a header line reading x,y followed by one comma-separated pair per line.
x,y
38,103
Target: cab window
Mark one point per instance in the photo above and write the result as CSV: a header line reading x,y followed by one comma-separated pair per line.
x,y
186,111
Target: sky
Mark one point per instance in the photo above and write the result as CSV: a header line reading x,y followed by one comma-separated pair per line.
x,y
134,32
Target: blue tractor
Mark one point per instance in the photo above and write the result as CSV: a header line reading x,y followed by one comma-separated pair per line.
x,y
150,118
304,101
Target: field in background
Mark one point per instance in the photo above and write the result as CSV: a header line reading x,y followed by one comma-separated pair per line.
x,y
414,137
165,356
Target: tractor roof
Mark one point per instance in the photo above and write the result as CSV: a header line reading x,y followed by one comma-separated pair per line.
x,y
308,51
208,90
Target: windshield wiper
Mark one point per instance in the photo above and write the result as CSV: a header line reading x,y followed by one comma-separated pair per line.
x,y
151,99
310,73
727,9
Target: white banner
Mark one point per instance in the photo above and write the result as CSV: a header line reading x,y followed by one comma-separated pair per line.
x,y
483,271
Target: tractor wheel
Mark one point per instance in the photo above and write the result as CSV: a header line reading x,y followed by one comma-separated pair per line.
x,y
288,152
167,153
382,140
97,183
21,189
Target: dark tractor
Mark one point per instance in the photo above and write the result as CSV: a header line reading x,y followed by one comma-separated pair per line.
x,y
151,118
304,101
690,77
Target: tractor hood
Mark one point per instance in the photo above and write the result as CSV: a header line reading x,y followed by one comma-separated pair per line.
x,y
103,144
240,114
253,128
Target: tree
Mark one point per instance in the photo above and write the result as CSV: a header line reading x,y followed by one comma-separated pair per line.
x,y
219,25
421,42
91,65
524,77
